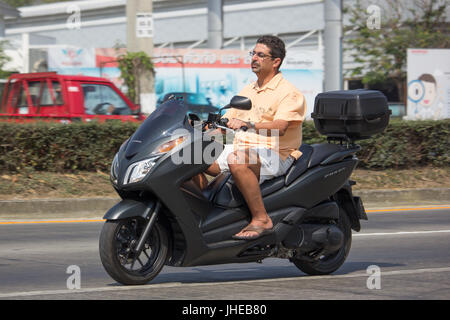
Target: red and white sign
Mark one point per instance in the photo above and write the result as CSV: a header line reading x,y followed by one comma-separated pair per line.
x,y
188,58
71,58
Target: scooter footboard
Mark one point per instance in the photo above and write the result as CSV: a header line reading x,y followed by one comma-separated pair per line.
x,y
285,217
128,208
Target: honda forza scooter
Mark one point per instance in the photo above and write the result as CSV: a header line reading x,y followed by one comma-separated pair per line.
x,y
164,218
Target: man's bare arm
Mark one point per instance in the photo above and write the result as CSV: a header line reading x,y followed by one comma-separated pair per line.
x,y
279,125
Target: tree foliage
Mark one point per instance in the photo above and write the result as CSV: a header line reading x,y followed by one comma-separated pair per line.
x,y
132,65
4,59
380,51
22,3
18,3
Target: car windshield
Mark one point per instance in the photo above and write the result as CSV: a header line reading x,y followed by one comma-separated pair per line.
x,y
102,99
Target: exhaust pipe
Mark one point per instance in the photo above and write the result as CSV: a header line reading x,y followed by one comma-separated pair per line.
x,y
310,237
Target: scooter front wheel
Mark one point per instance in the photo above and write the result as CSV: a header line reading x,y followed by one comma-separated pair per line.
x,y
117,242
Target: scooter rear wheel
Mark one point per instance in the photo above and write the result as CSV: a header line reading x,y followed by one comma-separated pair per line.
x,y
117,240
329,263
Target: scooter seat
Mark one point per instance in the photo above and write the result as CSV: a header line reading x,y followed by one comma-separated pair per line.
x,y
322,151
301,165
230,196
312,155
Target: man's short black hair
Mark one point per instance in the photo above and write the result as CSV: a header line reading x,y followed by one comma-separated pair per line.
x,y
276,46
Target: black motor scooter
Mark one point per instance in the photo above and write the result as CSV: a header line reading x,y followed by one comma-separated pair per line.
x,y
165,219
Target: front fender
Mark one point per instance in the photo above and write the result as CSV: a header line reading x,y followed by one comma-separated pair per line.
x,y
130,208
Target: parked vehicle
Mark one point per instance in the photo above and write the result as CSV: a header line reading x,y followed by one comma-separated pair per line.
x,y
64,98
165,219
398,109
196,102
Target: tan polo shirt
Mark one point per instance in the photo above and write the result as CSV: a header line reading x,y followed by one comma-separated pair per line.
x,y
278,99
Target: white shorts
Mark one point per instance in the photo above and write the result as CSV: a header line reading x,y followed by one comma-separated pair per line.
x,y
271,164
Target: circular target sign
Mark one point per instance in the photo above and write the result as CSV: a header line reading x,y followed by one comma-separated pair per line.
x,y
416,90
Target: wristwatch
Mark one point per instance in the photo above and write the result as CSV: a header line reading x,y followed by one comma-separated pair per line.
x,y
252,125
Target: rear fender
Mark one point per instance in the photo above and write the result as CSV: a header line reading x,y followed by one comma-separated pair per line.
x,y
352,205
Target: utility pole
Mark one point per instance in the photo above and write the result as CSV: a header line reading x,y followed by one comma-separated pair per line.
x,y
333,45
215,24
140,38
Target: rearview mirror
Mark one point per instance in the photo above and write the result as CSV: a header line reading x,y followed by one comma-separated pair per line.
x,y
241,103
238,102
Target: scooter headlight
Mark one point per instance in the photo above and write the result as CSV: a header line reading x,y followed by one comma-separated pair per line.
x,y
138,170
114,169
115,164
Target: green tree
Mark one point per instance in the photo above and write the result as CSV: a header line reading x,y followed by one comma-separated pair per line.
x,y
22,3
4,59
18,3
380,50
132,65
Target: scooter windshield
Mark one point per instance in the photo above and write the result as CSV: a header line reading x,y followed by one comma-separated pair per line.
x,y
161,123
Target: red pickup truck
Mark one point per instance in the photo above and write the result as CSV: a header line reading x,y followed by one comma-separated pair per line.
x,y
49,96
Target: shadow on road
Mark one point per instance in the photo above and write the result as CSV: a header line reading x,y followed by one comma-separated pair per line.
x,y
251,271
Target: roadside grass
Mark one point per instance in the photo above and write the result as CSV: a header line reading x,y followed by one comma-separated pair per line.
x,y
417,178
37,184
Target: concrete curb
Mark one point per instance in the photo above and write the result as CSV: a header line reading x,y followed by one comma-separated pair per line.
x,y
96,207
39,207
377,198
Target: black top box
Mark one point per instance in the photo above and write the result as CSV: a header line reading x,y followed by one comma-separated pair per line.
x,y
351,114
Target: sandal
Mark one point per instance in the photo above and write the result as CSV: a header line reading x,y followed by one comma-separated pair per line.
x,y
259,230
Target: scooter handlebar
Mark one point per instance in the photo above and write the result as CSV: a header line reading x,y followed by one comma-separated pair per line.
x,y
224,122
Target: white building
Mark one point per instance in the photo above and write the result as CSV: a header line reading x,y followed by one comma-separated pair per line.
x,y
177,24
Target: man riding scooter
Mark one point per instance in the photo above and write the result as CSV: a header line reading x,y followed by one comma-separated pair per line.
x,y
307,213
274,135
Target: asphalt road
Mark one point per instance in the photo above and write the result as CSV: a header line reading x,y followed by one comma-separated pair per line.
x,y
409,248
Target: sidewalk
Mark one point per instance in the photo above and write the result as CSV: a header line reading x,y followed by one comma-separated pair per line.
x,y
95,208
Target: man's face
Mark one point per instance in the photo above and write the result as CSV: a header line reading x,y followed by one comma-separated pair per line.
x,y
264,64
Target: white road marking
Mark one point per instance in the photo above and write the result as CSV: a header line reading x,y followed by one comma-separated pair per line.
x,y
398,233
179,284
